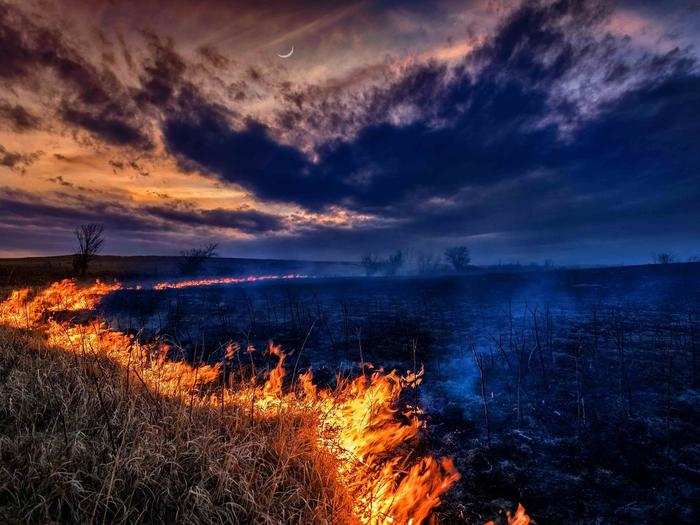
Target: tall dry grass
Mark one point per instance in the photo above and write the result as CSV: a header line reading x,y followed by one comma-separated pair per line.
x,y
81,441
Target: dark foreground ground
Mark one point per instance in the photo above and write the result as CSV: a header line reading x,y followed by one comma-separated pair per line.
x,y
575,392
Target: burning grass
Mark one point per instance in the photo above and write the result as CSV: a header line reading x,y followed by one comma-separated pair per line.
x,y
101,427
81,441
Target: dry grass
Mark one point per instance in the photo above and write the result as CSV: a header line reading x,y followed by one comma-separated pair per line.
x,y
80,441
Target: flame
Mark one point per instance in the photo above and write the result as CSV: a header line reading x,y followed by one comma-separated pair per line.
x,y
166,285
66,295
358,422
519,518
273,385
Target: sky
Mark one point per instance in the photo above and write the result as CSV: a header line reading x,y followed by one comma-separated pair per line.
x,y
566,130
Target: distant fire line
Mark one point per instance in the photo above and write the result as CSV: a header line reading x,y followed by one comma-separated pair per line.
x,y
168,285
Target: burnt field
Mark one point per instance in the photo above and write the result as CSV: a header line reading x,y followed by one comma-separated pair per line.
x,y
574,392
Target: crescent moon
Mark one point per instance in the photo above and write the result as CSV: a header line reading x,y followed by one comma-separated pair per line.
x,y
288,54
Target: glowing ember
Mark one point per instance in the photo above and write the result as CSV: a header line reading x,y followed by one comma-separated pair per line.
x,y
165,285
519,518
357,422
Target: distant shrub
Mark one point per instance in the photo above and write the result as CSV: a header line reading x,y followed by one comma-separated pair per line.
x,y
663,258
193,259
371,264
428,264
458,257
394,263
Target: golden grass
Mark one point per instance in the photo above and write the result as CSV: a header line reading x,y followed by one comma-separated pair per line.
x,y
81,441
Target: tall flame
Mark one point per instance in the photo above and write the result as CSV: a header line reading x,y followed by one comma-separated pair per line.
x,y
358,422
273,385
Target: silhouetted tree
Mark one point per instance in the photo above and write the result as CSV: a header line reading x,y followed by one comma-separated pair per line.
x,y
90,241
193,259
458,257
371,264
428,264
394,263
663,258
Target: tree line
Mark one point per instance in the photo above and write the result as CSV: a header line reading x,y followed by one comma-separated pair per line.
x,y
455,259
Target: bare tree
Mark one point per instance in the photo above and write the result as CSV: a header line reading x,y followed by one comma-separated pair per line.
x,y
394,263
459,257
371,263
193,259
663,258
428,264
90,241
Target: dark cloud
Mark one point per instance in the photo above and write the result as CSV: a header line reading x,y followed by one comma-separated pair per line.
x,y
507,113
106,124
243,220
18,117
213,57
61,181
249,157
17,161
94,99
647,135
22,208
162,73
541,42
490,130
71,206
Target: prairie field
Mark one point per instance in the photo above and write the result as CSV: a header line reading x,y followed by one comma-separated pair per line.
x,y
573,392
